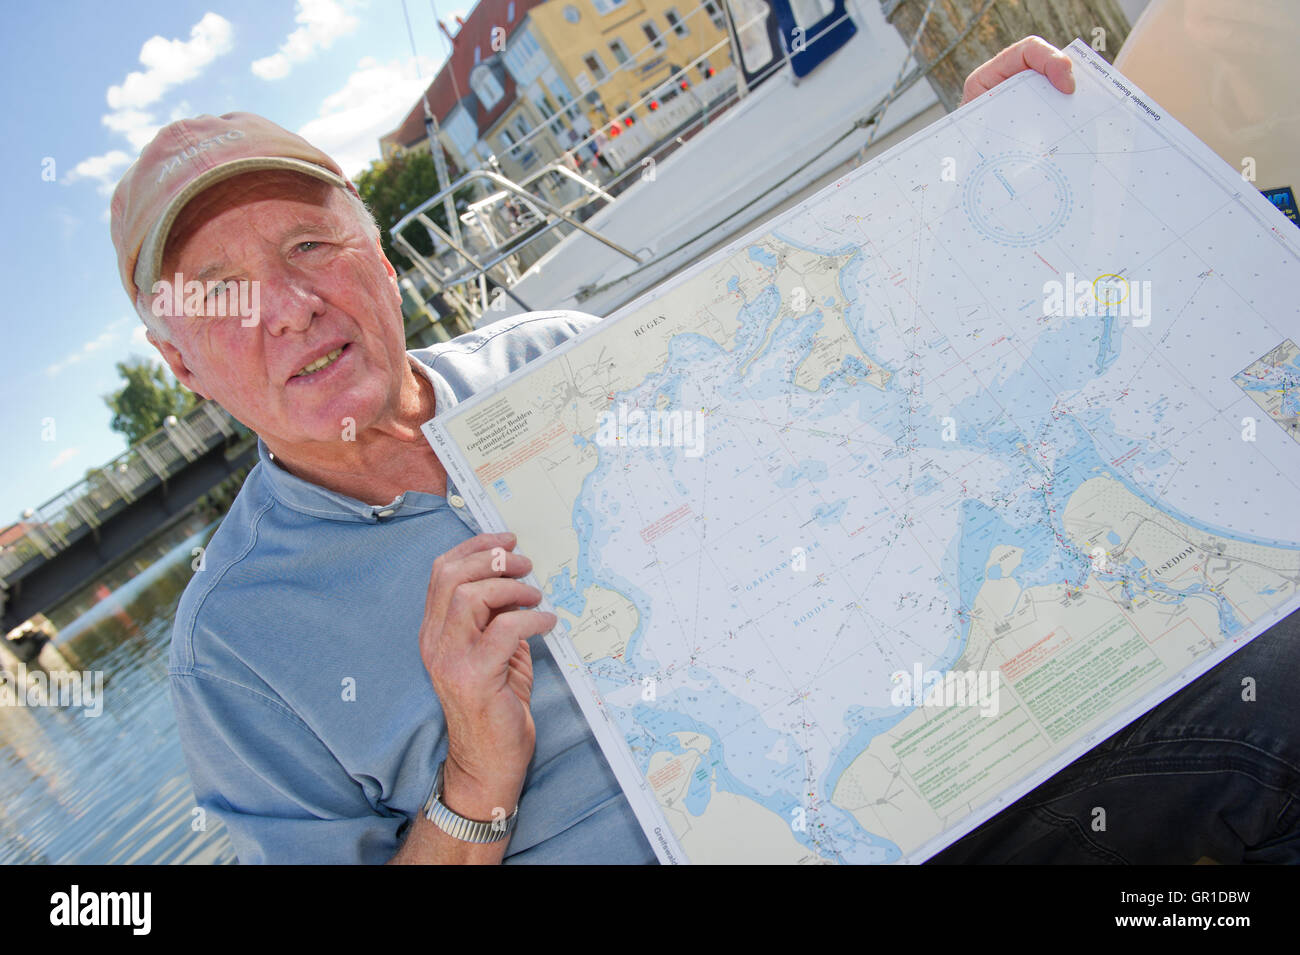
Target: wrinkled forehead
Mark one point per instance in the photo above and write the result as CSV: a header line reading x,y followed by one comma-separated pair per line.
x,y
304,197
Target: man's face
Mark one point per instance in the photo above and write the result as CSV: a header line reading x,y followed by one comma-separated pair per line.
x,y
323,285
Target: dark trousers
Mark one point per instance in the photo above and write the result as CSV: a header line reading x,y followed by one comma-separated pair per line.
x,y
1204,774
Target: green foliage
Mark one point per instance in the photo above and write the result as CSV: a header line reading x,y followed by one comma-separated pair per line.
x,y
148,397
217,501
393,187
99,489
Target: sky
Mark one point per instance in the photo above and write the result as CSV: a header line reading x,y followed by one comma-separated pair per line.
x,y
88,83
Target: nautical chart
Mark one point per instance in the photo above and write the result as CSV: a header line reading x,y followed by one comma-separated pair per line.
x,y
866,525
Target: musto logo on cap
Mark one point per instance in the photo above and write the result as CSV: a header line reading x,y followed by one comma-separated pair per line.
x,y
189,152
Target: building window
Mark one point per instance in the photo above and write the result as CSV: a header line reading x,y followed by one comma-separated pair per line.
x,y
542,102
809,12
606,6
510,12
675,21
557,88
619,49
756,49
486,86
517,149
715,14
596,66
524,58
478,55
666,93
652,33
460,130
544,106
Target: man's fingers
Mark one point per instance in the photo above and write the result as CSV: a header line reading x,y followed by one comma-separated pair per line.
x,y
522,660
1060,70
474,604
470,633
507,629
496,650
479,564
520,674
477,543
497,562
1031,53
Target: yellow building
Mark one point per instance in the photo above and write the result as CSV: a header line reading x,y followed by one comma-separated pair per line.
x,y
531,81
621,55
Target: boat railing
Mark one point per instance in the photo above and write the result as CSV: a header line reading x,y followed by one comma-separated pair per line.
x,y
690,107
495,258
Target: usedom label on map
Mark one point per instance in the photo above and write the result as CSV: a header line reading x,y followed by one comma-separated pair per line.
x,y
866,525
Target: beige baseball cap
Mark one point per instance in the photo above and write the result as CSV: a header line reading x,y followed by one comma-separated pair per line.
x,y
185,158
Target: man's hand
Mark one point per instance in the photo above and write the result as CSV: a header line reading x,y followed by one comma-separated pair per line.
x,y
1031,53
473,642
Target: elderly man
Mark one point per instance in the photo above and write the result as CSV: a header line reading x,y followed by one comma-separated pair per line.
x,y
338,700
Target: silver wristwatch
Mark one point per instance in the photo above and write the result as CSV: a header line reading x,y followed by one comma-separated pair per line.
x,y
466,830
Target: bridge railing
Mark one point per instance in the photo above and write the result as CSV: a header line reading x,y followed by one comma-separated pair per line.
x,y
79,509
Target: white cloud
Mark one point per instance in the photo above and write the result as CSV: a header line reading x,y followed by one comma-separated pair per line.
x,y
105,170
169,63
322,22
101,341
137,337
273,67
63,457
138,127
373,100
124,120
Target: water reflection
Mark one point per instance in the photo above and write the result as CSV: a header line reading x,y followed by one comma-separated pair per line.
x,y
111,788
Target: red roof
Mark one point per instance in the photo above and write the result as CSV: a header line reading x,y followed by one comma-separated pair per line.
x,y
14,533
451,85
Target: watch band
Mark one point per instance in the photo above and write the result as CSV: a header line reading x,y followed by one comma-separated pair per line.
x,y
457,826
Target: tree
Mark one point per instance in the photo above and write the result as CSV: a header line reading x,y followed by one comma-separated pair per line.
x,y
148,397
393,187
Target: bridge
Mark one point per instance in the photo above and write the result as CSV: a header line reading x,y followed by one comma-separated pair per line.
x,y
71,538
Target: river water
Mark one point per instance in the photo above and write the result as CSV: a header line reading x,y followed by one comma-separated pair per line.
x,y
111,788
